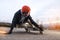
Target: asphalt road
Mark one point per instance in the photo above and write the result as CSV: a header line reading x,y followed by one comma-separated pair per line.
x,y
20,34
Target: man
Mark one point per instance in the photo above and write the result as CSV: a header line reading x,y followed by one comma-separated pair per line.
x,y
22,16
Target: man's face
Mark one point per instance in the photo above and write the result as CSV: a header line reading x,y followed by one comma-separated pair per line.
x,y
25,13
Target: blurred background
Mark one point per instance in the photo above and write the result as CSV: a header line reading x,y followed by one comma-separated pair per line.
x,y
45,12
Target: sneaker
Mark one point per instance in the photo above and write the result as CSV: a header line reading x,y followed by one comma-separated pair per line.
x,y
41,32
9,33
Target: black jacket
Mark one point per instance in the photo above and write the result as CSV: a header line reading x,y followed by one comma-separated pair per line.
x,y
18,16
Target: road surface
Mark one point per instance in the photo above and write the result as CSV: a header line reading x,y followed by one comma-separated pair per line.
x,y
20,34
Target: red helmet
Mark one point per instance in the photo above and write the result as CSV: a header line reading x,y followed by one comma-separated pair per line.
x,y
26,8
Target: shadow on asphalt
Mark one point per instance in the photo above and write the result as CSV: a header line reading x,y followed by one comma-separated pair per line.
x,y
25,33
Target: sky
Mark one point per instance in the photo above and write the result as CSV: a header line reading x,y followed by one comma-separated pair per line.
x,y
46,11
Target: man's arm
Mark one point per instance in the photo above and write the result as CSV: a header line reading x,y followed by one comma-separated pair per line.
x,y
33,22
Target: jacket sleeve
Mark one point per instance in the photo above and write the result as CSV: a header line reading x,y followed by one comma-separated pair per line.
x,y
33,22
